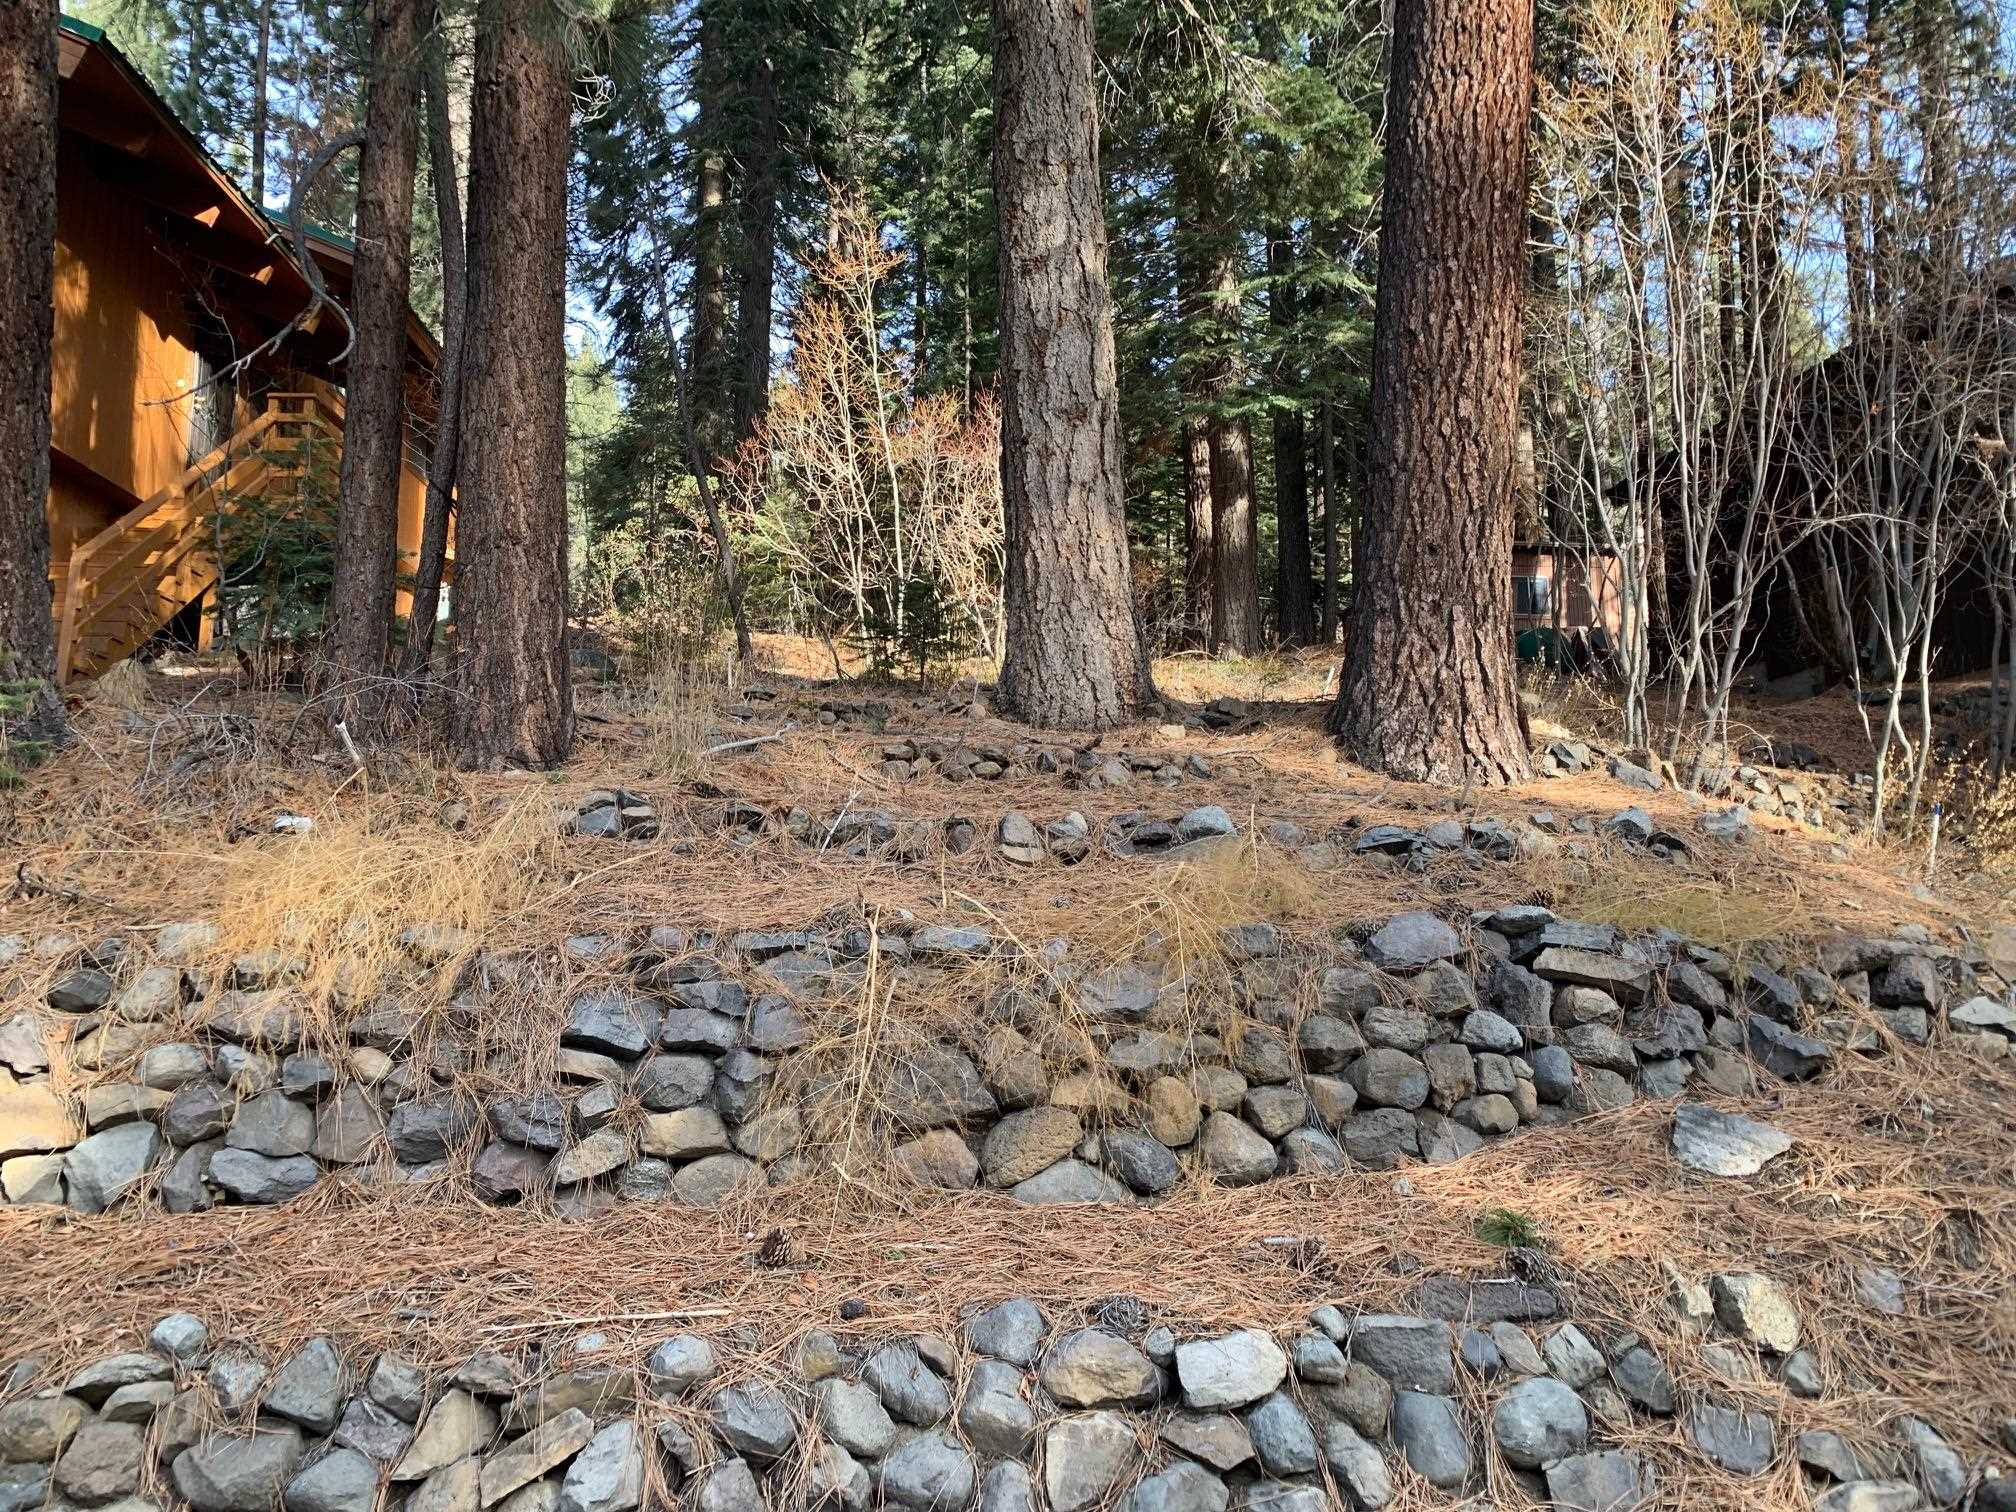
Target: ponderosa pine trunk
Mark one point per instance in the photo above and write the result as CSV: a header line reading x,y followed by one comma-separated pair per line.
x,y
1294,602
1200,554
754,315
1200,551
31,713
1075,656
516,700
1235,529
1428,692
363,589
441,462
710,375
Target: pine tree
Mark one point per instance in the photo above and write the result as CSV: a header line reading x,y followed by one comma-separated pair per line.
x,y
1428,691
516,701
1075,655
367,523
31,714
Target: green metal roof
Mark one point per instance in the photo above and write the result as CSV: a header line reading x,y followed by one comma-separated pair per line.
x,y
82,29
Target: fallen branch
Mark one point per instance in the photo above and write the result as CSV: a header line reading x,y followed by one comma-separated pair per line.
x,y
754,740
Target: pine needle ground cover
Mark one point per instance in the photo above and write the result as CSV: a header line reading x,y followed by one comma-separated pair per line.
x,y
1899,1163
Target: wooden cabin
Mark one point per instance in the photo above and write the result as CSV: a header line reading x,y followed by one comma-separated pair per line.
x,y
166,275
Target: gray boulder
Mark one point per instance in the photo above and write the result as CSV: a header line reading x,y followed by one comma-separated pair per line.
x,y
1282,1437
1085,1458
1218,1439
1093,1368
308,1387
608,1474
106,1166
1539,1420
1069,1181
1234,1152
273,1124
1430,1433
1006,1487
1230,1370
342,1480
1358,1466
929,1473
993,1416
680,1364
1388,1078
102,1463
755,1419
1607,1480
1410,1352
1184,1487
909,1388
1740,1441
259,1179
853,1417
1410,941
1011,1331
238,1473
730,1487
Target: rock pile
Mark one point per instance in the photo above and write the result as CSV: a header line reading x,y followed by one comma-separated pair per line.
x,y
1006,1412
1413,1041
983,761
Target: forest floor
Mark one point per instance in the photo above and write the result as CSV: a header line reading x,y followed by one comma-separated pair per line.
x,y
165,809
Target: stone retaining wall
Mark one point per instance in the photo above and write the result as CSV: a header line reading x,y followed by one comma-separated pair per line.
x,y
1412,1041
1007,1410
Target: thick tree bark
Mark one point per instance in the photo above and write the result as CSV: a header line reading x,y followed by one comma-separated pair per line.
x,y
1075,655
1235,530
759,253
1294,602
1235,535
1200,551
711,373
1200,554
517,699
361,594
441,463
1333,505
1429,692
27,305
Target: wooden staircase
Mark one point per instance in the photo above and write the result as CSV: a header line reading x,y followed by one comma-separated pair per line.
x,y
127,582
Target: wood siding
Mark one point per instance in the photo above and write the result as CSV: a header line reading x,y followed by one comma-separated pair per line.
x,y
122,347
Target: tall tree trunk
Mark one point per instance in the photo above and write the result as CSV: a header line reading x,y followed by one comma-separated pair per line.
x,y
1333,505
442,461
1075,655
1235,530
517,697
31,713
710,379
1429,692
759,253
1200,554
1294,605
362,592
1235,535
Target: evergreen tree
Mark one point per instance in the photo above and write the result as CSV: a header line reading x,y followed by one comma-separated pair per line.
x,y
31,713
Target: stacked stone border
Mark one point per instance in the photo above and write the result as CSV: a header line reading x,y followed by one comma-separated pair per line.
x,y
1413,1041
1005,1411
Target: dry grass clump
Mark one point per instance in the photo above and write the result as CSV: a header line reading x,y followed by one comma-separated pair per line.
x,y
336,904
674,709
1730,913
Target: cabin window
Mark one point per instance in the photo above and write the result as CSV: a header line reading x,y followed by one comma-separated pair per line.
x,y
1531,595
